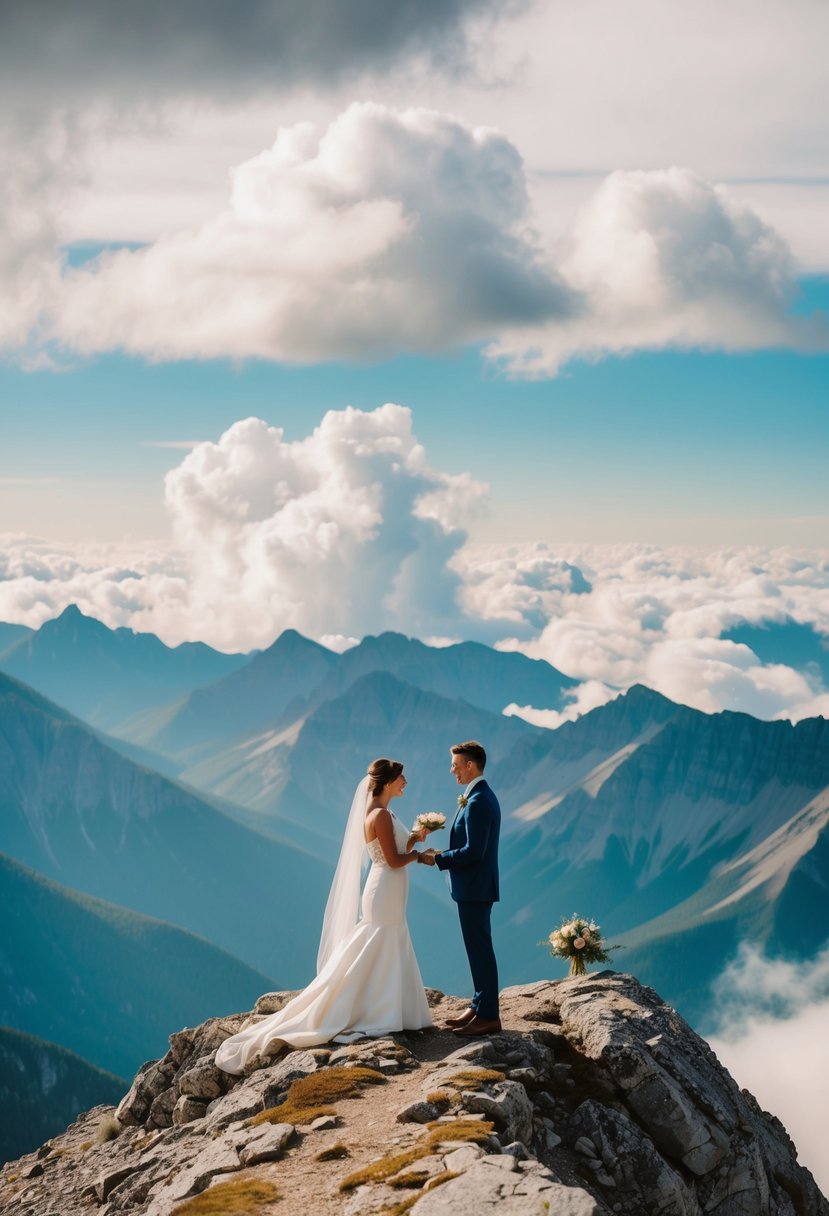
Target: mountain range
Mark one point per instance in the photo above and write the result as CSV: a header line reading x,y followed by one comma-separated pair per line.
x,y
683,833
107,675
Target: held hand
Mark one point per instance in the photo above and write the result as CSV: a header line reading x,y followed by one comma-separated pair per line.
x,y
421,835
428,857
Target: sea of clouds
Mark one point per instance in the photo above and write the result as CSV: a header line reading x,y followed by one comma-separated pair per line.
x,y
352,530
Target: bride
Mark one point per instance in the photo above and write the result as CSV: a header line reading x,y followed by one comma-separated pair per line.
x,y
368,982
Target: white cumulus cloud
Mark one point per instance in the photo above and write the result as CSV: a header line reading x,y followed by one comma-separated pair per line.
x,y
663,258
347,531
383,232
580,700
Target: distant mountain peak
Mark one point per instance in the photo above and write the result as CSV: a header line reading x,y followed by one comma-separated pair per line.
x,y
292,641
642,694
72,619
389,642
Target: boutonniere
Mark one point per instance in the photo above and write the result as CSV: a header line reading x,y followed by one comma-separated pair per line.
x,y
462,800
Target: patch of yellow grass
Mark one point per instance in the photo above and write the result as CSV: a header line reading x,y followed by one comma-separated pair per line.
x,y
307,1097
439,1098
446,1176
471,1078
474,1130
399,1208
412,1178
240,1197
438,1133
86,1146
335,1153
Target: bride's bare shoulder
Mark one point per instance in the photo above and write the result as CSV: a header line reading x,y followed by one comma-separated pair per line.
x,y
376,816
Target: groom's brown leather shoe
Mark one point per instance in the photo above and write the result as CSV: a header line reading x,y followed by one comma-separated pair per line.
x,y
465,1017
478,1026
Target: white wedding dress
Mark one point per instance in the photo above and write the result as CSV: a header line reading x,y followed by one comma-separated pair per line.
x,y
369,986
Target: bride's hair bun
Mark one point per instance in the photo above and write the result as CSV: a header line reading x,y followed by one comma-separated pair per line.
x,y
381,772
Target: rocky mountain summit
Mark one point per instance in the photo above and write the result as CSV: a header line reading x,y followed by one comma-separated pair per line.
x,y
596,1098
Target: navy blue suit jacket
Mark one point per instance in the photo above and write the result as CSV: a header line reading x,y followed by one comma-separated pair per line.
x,y
472,857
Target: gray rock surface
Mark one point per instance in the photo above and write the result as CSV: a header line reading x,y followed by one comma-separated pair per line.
x,y
508,1106
272,1002
607,1102
482,1190
269,1145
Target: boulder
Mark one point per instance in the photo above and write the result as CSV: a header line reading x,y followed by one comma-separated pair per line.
x,y
188,1109
508,1106
204,1080
269,1145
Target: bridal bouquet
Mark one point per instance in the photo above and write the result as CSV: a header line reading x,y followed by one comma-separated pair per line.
x,y
580,941
432,821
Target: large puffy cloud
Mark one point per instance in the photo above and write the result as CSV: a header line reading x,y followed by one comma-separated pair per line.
x,y
398,231
391,231
347,531
384,232
666,259
772,1036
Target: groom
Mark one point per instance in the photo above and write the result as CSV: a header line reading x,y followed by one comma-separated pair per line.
x,y
472,863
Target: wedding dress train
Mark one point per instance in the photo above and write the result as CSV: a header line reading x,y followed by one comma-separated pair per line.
x,y
368,987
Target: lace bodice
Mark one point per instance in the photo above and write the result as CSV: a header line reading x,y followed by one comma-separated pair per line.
x,y
401,837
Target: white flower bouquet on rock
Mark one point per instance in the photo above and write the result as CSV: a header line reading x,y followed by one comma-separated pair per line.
x,y
579,941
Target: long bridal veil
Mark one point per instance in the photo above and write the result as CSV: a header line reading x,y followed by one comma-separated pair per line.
x,y
342,912
368,982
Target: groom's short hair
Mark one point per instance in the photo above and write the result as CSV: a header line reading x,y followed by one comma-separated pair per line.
x,y
473,751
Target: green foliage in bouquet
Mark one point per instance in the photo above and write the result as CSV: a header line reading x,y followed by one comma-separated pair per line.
x,y
579,941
